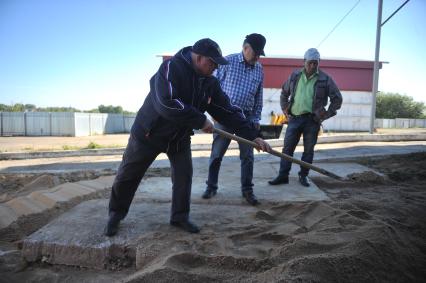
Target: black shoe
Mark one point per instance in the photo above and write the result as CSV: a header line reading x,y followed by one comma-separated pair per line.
x,y
112,226
250,198
187,225
280,179
304,180
209,193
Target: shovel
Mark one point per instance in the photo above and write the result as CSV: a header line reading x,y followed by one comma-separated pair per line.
x,y
279,154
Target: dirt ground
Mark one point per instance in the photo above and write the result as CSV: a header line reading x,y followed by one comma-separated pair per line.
x,y
369,231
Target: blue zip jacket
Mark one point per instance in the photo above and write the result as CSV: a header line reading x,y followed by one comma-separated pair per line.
x,y
176,104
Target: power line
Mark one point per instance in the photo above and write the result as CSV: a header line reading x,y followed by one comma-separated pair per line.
x,y
356,4
394,13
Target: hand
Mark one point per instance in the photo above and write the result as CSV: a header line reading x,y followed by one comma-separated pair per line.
x,y
262,145
285,112
323,115
208,126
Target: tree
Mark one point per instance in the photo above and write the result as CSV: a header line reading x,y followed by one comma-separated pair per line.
x,y
110,109
4,108
395,105
95,110
18,107
57,109
30,107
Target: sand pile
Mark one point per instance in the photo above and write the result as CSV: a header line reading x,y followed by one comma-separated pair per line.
x,y
345,241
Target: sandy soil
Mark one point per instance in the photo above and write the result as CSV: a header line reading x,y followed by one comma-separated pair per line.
x,y
15,185
368,232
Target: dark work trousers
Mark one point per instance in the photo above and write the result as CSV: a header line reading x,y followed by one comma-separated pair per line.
x,y
219,147
298,125
136,160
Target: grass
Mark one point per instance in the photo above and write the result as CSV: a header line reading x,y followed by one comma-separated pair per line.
x,y
70,147
93,145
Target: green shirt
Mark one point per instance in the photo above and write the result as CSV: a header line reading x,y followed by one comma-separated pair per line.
x,y
304,94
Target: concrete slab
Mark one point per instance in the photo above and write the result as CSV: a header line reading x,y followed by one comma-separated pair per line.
x,y
26,206
229,191
96,184
73,190
75,238
8,216
44,197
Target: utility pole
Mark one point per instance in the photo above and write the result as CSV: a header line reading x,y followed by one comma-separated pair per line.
x,y
376,67
376,60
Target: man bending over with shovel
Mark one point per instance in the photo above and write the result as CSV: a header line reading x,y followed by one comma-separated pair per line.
x,y
180,92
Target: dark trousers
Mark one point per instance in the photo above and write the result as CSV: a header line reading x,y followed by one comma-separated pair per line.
x,y
297,126
219,147
136,160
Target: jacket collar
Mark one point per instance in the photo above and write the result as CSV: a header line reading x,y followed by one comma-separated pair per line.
x,y
185,55
321,75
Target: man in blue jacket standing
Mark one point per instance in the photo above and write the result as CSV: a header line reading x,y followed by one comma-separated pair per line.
x,y
303,100
180,92
242,81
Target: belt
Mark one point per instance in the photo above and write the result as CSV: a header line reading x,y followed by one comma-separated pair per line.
x,y
302,115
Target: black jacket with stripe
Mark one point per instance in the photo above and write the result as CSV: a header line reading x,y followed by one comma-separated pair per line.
x,y
176,104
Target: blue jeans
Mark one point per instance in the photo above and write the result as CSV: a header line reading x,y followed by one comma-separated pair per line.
x,y
297,126
219,147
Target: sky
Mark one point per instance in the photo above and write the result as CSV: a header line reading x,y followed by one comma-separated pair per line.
x,y
83,53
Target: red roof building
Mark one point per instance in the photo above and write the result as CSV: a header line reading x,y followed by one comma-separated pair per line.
x,y
353,77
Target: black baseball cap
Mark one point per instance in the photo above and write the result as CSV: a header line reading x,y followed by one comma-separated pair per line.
x,y
257,42
211,49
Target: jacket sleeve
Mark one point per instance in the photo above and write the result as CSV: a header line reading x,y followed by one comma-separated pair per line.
x,y
285,94
231,116
335,98
167,98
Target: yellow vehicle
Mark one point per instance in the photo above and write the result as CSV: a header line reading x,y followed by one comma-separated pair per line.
x,y
273,130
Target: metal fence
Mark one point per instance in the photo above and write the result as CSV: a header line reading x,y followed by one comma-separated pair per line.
x,y
88,124
63,123
400,123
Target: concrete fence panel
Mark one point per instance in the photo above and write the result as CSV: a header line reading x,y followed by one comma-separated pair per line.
x,y
128,122
420,123
97,123
378,123
62,124
81,124
38,123
13,124
351,124
402,123
114,124
385,123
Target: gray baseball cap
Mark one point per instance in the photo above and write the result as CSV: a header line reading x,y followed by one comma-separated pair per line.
x,y
312,54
